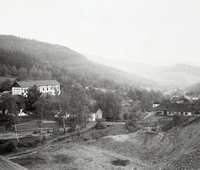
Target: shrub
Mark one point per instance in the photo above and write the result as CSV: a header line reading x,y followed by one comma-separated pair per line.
x,y
120,162
125,116
100,125
7,148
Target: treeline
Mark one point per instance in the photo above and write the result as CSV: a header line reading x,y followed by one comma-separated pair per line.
x,y
25,67
23,73
146,98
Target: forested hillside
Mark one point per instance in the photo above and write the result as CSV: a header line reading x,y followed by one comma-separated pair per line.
x,y
30,59
193,89
25,59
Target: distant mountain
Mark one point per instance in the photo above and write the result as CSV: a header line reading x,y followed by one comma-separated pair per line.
x,y
194,89
180,75
31,59
170,77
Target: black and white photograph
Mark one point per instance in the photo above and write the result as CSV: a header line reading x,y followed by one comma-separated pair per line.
x,y
99,85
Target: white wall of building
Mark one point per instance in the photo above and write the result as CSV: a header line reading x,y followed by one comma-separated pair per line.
x,y
49,89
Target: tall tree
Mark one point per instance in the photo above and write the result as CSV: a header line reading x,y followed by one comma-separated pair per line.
x,y
6,85
32,96
78,105
23,73
43,108
110,102
5,70
14,71
13,110
34,73
62,108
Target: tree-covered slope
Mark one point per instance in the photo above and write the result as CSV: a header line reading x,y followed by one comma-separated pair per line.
x,y
193,89
31,59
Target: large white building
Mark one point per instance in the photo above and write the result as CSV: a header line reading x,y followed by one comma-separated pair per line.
x,y
51,87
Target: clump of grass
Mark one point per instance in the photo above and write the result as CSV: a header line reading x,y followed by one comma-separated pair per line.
x,y
120,162
100,125
62,158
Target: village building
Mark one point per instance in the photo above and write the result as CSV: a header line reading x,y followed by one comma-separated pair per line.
x,y
51,87
175,109
21,113
183,100
96,116
156,104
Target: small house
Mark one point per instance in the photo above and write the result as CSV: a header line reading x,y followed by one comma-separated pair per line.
x,y
92,117
95,116
22,114
182,100
155,104
99,114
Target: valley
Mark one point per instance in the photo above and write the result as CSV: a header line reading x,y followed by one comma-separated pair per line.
x,y
60,110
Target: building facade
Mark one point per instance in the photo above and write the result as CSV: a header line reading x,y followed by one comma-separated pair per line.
x,y
174,109
95,116
50,87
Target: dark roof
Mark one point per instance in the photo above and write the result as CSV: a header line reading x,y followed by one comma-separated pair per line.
x,y
38,83
184,99
156,102
174,107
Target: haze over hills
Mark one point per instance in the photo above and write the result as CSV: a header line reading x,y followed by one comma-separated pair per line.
x,y
167,76
177,76
27,53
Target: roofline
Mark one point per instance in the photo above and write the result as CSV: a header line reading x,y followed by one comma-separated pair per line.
x,y
18,83
177,110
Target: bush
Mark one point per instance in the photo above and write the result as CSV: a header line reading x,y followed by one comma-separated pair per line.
x,y
7,148
100,125
125,116
120,162
131,126
7,121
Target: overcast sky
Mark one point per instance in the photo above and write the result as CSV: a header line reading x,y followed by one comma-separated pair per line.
x,y
140,31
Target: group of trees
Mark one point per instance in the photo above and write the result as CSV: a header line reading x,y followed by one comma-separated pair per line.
x,y
109,102
23,73
71,107
145,97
